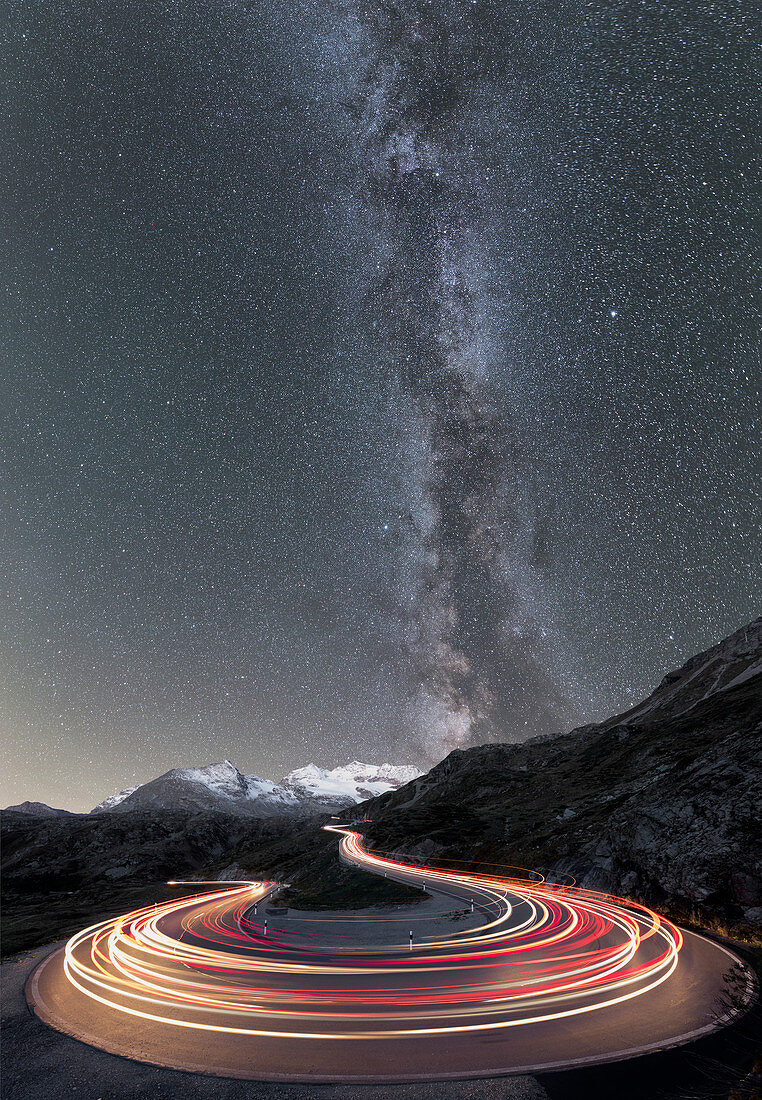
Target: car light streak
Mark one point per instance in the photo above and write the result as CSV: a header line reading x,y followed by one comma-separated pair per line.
x,y
537,952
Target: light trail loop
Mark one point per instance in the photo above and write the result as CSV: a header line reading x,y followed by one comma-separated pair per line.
x,y
538,952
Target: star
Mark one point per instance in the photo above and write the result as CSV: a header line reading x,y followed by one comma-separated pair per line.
x,y
366,261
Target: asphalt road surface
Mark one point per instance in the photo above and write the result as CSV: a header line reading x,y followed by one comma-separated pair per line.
x,y
535,977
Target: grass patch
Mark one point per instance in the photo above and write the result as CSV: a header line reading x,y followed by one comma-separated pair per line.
x,y
348,889
33,920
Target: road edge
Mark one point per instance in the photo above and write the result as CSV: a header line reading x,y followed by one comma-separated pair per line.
x,y
42,1011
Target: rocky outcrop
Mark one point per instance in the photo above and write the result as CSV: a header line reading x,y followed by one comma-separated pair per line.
x,y
78,851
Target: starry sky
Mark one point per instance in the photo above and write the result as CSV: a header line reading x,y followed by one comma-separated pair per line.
x,y
380,376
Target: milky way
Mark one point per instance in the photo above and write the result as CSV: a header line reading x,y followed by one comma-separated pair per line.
x,y
478,667
380,377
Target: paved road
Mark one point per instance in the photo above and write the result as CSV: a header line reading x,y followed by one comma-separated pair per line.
x,y
539,977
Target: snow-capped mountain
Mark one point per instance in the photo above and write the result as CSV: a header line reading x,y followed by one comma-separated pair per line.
x,y
349,784
222,786
113,800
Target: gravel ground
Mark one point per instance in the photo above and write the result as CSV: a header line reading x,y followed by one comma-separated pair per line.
x,y
39,1063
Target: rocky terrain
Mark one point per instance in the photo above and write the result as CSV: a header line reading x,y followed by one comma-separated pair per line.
x,y
60,868
60,874
663,803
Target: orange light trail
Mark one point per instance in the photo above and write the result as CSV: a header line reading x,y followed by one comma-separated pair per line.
x,y
538,952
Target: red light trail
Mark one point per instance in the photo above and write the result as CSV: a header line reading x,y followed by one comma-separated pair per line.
x,y
539,952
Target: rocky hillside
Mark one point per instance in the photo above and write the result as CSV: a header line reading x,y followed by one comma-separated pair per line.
x,y
718,669
663,803
38,809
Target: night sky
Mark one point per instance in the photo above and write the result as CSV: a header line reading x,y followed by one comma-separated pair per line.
x,y
379,377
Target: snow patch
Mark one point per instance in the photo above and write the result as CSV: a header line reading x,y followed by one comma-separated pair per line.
x,y
114,800
349,783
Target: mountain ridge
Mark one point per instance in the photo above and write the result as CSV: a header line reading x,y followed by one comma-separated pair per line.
x,y
715,669
305,790
38,809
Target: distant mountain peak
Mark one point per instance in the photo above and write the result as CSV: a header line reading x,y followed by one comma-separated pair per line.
x,y
308,789
349,783
39,809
